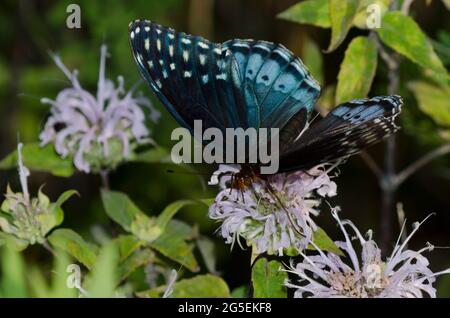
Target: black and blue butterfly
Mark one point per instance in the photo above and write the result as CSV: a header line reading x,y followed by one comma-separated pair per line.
x,y
249,83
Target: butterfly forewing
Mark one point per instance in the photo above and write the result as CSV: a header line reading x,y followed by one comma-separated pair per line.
x,y
240,83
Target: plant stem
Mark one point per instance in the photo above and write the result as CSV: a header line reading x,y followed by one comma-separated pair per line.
x,y
387,184
48,247
104,174
419,163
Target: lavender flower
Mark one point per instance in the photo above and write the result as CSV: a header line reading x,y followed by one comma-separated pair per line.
x,y
98,131
405,274
256,215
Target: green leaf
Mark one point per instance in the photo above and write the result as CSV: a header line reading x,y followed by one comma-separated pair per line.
x,y
59,286
168,213
134,261
341,16
363,14
433,101
40,159
72,243
64,197
357,70
208,252
268,280
120,208
127,244
13,241
324,242
200,286
172,244
239,292
313,12
103,279
123,211
404,35
153,155
12,282
312,57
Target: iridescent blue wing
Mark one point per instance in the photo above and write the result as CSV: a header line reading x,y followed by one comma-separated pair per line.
x,y
187,73
346,130
240,83
275,83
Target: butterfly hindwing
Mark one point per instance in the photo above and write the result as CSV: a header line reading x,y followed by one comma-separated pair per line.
x,y
346,130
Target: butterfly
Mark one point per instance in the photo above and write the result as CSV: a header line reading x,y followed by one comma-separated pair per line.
x,y
251,83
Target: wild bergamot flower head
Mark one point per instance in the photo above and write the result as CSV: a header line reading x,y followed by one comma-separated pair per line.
x,y
274,214
29,219
99,131
405,274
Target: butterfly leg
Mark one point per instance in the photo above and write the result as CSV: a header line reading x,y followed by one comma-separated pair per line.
x,y
277,198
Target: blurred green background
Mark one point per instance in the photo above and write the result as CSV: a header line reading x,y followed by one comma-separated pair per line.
x,y
31,29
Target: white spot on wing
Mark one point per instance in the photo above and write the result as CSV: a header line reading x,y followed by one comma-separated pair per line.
x,y
147,29
158,45
186,41
186,55
132,35
202,59
205,79
171,50
172,66
137,30
187,74
147,44
203,45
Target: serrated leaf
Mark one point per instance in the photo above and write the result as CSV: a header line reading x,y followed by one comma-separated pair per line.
x,y
324,242
268,280
342,14
312,57
40,159
433,101
404,35
313,12
201,286
72,243
357,70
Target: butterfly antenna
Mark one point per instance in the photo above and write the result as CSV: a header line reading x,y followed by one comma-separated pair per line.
x,y
192,173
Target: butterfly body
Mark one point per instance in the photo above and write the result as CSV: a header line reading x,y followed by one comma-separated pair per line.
x,y
255,84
